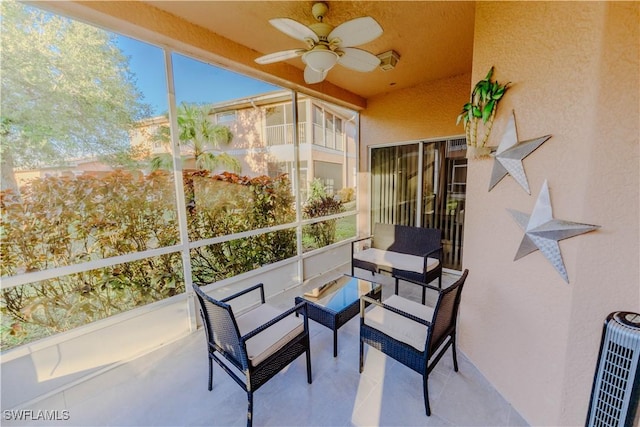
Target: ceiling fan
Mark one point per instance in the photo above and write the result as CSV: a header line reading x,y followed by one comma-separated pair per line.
x,y
326,45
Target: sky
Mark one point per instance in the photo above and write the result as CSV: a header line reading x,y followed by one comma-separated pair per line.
x,y
195,81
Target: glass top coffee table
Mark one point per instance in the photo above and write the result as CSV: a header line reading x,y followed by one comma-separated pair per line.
x,y
336,302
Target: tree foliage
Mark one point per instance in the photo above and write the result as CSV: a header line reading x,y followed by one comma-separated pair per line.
x,y
198,137
67,91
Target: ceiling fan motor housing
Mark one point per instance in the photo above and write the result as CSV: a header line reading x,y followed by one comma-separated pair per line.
x,y
322,30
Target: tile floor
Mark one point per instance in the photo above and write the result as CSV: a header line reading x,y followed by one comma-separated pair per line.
x,y
168,387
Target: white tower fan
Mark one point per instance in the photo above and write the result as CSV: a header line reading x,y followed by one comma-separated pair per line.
x,y
616,385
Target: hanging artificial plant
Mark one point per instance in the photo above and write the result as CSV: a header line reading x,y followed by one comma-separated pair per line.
x,y
481,106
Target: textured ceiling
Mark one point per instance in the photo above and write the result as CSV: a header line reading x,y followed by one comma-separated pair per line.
x,y
434,39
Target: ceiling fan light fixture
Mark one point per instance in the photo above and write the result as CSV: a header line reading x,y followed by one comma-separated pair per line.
x,y
321,60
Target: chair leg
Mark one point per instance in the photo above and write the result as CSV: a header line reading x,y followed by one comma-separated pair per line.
x,y
210,373
250,409
425,380
397,280
308,362
424,294
453,351
361,355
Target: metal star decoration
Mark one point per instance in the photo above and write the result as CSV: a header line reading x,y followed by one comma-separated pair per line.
x,y
542,232
509,155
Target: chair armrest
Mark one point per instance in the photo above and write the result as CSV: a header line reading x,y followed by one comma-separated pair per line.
x,y
353,242
246,291
362,238
426,255
366,299
424,285
301,306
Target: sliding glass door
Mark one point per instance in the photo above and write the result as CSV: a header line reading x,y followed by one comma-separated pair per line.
x,y
422,184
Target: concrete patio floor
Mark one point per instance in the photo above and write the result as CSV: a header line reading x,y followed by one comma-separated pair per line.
x,y
168,387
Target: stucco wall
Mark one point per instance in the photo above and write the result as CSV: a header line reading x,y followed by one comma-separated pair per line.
x,y
574,68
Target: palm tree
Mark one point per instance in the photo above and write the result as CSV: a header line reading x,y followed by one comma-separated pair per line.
x,y
201,138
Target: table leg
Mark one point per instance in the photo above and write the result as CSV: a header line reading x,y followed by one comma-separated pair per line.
x,y
335,343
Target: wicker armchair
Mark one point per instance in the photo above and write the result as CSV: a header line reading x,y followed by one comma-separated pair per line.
x,y
412,333
259,343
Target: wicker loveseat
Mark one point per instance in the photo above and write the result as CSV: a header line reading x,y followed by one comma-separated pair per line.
x,y
405,252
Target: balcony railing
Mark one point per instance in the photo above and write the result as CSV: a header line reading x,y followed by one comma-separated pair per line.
x,y
283,134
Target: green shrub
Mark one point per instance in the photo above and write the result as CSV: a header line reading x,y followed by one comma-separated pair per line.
x,y
60,221
228,203
318,205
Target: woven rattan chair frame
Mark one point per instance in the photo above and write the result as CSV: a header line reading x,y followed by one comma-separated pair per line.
x,y
418,241
441,335
225,344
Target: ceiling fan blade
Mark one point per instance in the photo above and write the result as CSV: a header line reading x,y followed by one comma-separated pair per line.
x,y
280,56
312,76
358,59
294,29
356,31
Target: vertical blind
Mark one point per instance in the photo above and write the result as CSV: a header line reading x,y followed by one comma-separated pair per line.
x,y
396,178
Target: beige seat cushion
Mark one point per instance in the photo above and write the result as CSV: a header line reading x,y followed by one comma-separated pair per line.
x,y
271,339
399,327
390,259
